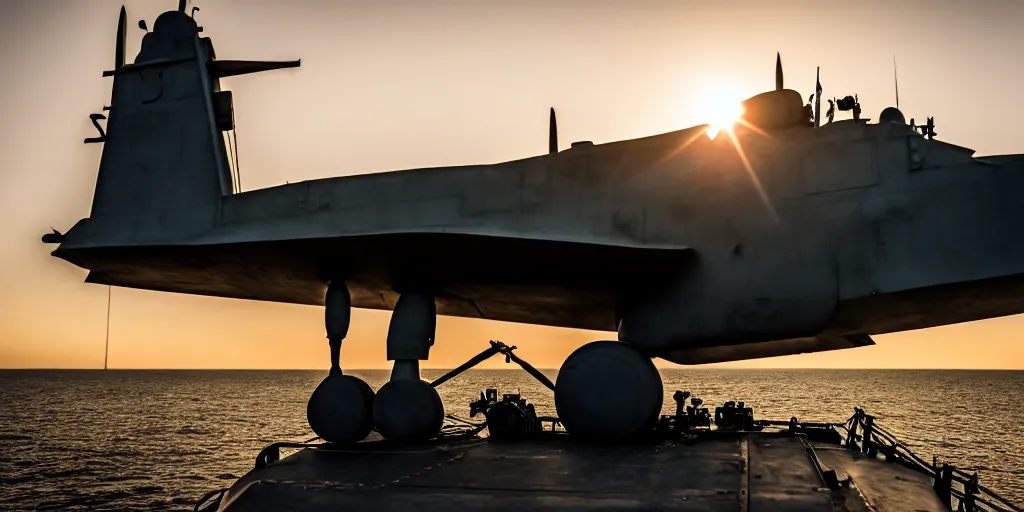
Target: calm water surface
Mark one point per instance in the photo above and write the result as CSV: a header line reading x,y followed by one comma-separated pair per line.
x,y
159,440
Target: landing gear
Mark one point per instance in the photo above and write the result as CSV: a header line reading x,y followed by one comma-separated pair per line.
x,y
340,409
408,409
608,391
605,391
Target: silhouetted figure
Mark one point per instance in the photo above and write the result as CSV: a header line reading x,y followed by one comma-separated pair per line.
x,y
831,114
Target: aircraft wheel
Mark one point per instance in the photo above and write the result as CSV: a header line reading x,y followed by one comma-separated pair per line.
x,y
340,410
606,391
408,411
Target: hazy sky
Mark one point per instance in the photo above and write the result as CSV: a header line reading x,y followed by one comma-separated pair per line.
x,y
402,84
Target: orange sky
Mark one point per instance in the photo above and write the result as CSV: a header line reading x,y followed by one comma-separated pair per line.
x,y
400,84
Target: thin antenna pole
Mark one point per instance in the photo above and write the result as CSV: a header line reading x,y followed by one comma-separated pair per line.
x,y
895,81
106,345
122,28
778,71
552,133
817,98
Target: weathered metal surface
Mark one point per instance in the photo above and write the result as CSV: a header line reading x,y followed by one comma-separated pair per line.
x,y
710,473
883,490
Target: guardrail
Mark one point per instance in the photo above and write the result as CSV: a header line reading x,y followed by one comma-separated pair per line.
x,y
954,486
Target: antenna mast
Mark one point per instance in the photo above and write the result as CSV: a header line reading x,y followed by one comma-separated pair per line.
x,y
895,81
778,71
106,345
552,133
817,98
122,28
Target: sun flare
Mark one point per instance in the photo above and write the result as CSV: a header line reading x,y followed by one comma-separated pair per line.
x,y
722,109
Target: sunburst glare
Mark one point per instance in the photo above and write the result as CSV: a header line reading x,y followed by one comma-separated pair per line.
x,y
721,109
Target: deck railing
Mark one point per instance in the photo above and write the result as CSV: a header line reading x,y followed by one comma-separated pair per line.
x,y
954,486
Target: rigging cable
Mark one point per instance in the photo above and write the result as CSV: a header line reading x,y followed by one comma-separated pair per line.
x,y
238,168
106,345
231,162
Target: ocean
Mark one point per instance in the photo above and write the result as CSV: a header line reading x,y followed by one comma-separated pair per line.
x,y
159,440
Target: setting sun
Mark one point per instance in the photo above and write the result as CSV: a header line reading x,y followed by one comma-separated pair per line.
x,y
721,109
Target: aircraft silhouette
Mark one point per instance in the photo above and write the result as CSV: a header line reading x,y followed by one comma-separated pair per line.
x,y
779,238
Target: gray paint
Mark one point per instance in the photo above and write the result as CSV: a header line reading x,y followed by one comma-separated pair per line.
x,y
862,228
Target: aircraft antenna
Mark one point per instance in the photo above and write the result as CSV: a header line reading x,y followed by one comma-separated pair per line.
x,y
552,133
122,27
778,71
106,345
895,81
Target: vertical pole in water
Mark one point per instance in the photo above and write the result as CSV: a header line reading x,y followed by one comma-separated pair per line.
x,y
106,345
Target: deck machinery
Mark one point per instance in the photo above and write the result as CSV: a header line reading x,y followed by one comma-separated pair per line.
x,y
690,460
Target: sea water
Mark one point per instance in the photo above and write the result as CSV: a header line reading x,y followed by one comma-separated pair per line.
x,y
159,440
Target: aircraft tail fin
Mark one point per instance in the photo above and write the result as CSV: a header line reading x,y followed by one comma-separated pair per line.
x,y
165,166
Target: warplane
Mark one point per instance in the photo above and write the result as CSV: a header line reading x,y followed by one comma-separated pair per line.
x,y
784,236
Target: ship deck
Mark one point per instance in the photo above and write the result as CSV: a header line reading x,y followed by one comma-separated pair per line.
x,y
720,471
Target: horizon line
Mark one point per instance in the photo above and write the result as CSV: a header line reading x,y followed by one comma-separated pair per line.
x,y
683,368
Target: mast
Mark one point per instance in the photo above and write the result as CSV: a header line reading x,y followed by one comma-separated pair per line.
x,y
817,99
895,81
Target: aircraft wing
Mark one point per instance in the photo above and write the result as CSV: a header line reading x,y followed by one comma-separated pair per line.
x,y
720,354
546,282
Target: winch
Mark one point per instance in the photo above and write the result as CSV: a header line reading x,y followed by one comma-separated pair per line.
x,y
510,418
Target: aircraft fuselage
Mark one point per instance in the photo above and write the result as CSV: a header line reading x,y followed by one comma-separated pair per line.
x,y
861,229
763,241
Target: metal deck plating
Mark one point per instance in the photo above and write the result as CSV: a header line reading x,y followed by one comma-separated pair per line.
x,y
856,466
734,471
